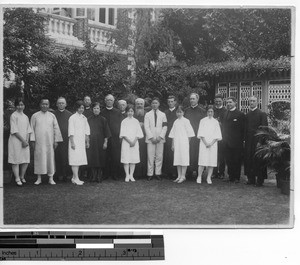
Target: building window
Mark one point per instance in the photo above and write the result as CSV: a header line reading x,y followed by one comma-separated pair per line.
x,y
80,12
111,16
102,15
91,13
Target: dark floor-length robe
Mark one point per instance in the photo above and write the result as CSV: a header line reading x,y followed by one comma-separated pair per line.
x,y
61,152
253,167
168,167
141,168
99,130
194,115
113,154
88,112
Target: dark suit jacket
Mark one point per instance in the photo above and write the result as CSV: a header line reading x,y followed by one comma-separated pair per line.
x,y
233,128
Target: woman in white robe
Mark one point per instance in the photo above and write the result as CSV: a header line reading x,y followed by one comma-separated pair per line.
x,y
209,133
78,131
18,142
181,133
130,133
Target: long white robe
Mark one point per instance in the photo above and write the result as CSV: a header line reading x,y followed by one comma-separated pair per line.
x,y
180,132
79,128
19,123
130,127
209,128
45,131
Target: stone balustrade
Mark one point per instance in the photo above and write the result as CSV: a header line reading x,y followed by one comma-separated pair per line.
x,y
60,29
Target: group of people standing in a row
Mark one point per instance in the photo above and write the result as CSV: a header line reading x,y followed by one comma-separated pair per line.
x,y
148,143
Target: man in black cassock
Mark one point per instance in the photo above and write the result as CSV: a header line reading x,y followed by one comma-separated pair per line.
x,y
219,112
113,153
87,107
168,167
139,114
255,170
194,114
233,137
61,152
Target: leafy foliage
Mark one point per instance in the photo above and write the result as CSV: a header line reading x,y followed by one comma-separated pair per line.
x,y
25,43
275,151
74,73
214,35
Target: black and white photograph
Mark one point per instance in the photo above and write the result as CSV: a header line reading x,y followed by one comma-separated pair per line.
x,y
177,117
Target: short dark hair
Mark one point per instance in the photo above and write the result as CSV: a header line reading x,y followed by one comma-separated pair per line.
x,y
96,104
180,108
219,96
44,99
172,97
156,98
128,107
78,104
232,98
18,100
210,107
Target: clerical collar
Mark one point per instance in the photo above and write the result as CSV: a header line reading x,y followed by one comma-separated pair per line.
x,y
171,109
61,110
87,108
253,109
194,106
219,107
109,108
233,109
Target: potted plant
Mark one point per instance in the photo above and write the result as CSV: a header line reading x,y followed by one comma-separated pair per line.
x,y
274,149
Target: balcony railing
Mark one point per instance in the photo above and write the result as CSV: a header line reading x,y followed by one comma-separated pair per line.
x,y
61,30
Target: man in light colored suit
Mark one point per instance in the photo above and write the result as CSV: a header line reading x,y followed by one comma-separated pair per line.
x,y
155,128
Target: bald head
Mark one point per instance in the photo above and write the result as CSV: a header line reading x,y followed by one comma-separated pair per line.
x,y
109,101
61,103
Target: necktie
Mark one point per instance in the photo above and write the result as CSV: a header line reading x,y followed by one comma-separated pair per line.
x,y
155,118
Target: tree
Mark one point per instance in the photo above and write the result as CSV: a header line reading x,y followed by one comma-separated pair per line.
x,y
253,33
143,38
25,44
214,35
74,73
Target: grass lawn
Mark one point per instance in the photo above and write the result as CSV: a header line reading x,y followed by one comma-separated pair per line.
x,y
145,202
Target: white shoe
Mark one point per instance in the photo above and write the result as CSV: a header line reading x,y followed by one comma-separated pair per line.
x,y
77,181
199,180
23,180
52,182
19,183
127,178
38,182
209,181
182,179
131,178
176,180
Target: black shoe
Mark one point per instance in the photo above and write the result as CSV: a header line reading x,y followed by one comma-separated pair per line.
x,y
158,177
115,178
150,178
259,185
249,183
237,181
221,176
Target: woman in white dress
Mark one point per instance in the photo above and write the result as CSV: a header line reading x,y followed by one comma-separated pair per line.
x,y
209,133
181,133
130,133
79,131
18,142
